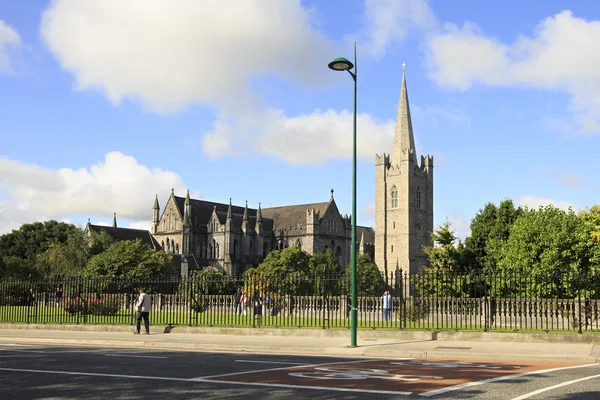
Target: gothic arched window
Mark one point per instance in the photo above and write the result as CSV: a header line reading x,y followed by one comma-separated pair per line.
x,y
299,244
418,202
218,252
394,197
177,248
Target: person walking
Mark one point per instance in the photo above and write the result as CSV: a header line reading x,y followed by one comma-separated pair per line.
x,y
143,306
238,301
58,296
387,305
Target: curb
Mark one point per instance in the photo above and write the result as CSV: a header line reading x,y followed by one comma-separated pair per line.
x,y
330,333
331,351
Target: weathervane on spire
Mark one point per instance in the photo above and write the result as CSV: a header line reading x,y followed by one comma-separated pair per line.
x,y
403,67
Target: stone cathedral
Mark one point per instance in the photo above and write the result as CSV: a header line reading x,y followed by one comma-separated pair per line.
x,y
232,238
403,199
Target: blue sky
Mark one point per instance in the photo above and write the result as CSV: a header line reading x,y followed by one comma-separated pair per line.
x,y
105,103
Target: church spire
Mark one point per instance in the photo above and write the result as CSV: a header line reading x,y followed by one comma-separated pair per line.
x,y
229,212
403,137
246,211
187,212
258,227
114,225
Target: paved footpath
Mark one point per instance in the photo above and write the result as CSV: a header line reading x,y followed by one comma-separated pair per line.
x,y
34,371
544,347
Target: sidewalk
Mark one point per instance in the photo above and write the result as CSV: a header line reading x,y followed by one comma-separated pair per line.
x,y
397,344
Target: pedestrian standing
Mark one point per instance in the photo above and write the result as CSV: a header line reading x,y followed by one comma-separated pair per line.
x,y
58,296
143,306
387,305
238,301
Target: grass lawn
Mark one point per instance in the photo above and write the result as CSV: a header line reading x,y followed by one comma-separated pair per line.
x,y
57,315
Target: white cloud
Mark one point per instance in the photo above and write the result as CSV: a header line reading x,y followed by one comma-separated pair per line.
x,y
209,52
117,184
145,225
562,55
169,56
390,21
305,139
460,224
534,202
9,39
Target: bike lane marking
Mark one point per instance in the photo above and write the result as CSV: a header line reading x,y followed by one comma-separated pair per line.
x,y
501,378
536,392
400,376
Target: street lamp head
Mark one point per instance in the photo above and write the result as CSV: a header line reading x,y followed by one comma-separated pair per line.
x,y
341,64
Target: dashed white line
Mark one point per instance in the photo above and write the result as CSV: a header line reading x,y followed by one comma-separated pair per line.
x,y
500,378
331,388
39,371
280,369
531,394
133,356
201,380
269,362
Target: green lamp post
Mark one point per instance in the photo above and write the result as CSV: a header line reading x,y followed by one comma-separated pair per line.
x,y
342,64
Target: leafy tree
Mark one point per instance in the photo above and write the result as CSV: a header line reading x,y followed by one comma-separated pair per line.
x,y
369,280
590,242
281,264
131,260
323,264
541,254
99,242
325,270
65,259
444,254
490,230
21,247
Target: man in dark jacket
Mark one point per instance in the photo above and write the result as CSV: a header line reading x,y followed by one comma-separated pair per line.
x,y
238,303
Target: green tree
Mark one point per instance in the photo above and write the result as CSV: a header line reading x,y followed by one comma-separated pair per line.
x,y
542,252
281,264
129,259
65,259
21,247
98,242
323,264
490,230
369,279
326,273
444,254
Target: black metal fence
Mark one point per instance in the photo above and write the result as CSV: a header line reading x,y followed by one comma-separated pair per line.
x,y
433,300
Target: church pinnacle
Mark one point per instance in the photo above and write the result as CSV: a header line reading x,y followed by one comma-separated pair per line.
x,y
403,137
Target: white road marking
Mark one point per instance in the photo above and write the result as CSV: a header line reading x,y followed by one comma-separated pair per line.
x,y
335,389
199,380
270,362
280,369
24,351
528,395
500,378
133,356
39,371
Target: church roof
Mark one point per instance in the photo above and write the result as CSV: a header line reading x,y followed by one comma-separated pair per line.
x,y
368,232
126,234
290,217
203,210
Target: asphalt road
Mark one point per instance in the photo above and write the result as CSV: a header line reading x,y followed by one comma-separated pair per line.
x,y
68,372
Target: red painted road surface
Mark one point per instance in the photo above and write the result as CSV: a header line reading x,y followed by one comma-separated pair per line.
x,y
402,376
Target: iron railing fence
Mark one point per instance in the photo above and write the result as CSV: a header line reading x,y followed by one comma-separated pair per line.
x,y
432,300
